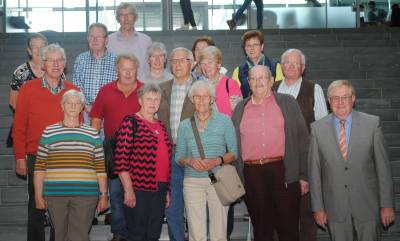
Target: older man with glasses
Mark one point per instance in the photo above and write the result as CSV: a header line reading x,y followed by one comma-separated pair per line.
x,y
38,106
176,106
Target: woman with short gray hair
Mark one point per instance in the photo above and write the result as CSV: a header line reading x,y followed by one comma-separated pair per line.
x,y
157,60
217,136
69,177
142,162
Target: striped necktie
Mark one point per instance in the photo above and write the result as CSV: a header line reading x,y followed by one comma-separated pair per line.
x,y
342,139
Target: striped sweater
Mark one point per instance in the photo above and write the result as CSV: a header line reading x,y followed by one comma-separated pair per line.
x,y
139,157
72,159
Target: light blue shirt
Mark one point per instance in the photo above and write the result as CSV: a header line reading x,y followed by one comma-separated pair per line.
x,y
217,139
347,125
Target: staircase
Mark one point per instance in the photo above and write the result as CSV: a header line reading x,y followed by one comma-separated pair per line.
x,y
369,58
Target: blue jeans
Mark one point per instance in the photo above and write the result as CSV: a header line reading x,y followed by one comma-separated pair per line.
x,y
118,224
260,11
174,214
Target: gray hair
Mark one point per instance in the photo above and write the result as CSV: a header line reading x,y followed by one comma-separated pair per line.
x,y
189,54
149,88
130,57
201,84
98,25
125,5
52,48
71,93
266,70
297,51
339,83
157,46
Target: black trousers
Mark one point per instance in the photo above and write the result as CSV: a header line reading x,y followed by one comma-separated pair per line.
x,y
187,12
308,227
145,220
36,217
272,204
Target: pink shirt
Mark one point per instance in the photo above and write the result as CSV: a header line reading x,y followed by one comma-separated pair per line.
x,y
222,98
162,158
262,130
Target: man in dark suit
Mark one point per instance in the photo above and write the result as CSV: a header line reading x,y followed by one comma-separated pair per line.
x,y
349,170
176,106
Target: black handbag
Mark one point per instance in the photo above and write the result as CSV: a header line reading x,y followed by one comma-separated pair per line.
x,y
109,145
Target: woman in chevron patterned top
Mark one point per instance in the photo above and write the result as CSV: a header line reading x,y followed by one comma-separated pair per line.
x,y
142,161
70,179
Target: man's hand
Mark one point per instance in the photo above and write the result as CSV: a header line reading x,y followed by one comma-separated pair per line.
x,y
387,216
304,187
321,219
168,200
130,198
21,167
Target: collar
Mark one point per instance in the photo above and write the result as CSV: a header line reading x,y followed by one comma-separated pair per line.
x,y
296,83
261,61
59,87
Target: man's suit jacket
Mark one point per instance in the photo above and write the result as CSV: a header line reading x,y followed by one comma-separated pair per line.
x,y
362,184
165,105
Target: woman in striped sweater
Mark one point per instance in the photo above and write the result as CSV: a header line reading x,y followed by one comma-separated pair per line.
x,y
142,161
70,179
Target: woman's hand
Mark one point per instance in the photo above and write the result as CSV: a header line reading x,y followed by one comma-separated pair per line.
x,y
202,165
130,198
41,203
102,205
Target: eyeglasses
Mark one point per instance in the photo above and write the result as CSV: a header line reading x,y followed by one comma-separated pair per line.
x,y
295,64
53,61
251,46
91,37
340,99
125,15
198,98
179,61
73,104
207,62
259,78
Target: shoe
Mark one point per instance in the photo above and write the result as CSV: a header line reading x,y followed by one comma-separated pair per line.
x,y
194,28
184,27
118,238
231,24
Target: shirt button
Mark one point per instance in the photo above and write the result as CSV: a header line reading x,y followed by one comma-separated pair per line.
x,y
346,168
345,186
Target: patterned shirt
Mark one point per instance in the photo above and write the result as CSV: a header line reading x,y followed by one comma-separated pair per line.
x,y
72,160
21,74
56,90
320,109
178,95
90,74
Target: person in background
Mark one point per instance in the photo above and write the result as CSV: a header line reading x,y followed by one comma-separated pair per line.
x,y
228,92
127,40
38,105
114,101
145,178
188,17
70,179
272,162
253,47
176,106
217,136
29,70
376,15
198,45
349,170
157,62
94,68
260,14
311,100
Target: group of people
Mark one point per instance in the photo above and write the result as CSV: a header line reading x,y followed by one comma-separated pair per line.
x,y
260,120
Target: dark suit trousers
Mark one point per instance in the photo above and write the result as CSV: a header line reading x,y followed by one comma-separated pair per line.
x,y
272,204
36,217
308,228
187,12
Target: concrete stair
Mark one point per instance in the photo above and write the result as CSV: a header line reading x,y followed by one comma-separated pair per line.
x,y
369,58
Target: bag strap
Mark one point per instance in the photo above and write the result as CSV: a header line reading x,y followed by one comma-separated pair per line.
x,y
197,137
200,147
